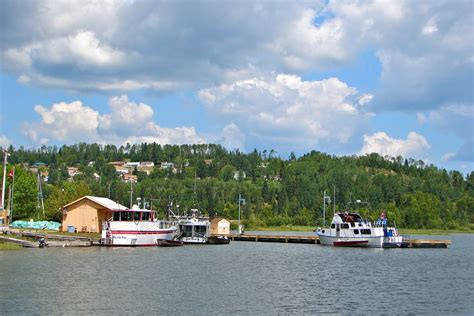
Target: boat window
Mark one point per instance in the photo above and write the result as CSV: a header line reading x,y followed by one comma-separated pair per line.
x,y
365,231
345,225
161,225
356,231
125,216
200,230
145,216
353,224
333,225
116,216
136,216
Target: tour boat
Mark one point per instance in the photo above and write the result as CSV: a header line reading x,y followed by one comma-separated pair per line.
x,y
194,228
136,227
350,230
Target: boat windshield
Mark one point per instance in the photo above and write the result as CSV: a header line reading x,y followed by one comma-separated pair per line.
x,y
128,216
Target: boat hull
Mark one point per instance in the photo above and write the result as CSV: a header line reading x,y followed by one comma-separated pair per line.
x,y
218,240
137,233
373,242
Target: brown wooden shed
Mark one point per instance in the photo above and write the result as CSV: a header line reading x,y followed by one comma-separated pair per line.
x,y
87,213
220,226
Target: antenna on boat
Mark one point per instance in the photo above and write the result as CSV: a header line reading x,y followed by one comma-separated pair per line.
x,y
334,199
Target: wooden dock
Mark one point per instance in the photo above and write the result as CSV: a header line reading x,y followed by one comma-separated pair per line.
x,y
295,239
305,239
424,243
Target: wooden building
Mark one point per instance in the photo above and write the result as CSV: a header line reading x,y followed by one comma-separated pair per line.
x,y
220,226
87,214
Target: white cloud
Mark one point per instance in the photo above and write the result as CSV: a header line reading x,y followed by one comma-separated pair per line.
x,y
414,146
131,45
232,137
4,141
127,122
126,115
64,122
288,111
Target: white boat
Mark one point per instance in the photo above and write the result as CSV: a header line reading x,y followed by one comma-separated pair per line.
x,y
136,227
194,228
350,230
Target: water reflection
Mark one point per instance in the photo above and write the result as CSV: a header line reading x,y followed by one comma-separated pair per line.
x,y
240,278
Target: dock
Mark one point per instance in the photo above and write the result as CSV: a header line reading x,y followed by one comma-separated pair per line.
x,y
295,239
305,239
434,243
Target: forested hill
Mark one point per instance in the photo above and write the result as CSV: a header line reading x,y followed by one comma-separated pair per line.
x,y
277,191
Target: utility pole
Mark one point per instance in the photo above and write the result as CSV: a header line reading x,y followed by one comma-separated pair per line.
x,y
241,200
5,162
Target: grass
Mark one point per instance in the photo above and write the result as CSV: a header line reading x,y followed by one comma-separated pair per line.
x,y
407,231
9,246
287,228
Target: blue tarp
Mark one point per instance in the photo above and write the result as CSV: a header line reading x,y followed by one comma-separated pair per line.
x,y
36,225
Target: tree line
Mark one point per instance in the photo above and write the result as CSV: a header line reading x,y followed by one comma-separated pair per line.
x,y
277,191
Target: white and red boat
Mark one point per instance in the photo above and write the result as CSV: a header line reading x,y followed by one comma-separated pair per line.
x,y
136,227
350,230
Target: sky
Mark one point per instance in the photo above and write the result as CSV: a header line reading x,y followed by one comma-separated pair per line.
x,y
341,77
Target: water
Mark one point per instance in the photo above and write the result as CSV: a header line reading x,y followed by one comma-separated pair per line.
x,y
239,278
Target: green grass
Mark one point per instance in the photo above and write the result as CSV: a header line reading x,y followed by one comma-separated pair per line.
x,y
408,231
291,228
9,246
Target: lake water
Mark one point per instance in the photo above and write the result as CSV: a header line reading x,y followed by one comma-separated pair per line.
x,y
240,278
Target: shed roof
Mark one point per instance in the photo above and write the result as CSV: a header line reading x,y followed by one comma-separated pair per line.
x,y
218,219
105,202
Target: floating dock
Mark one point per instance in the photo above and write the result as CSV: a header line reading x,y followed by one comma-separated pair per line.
x,y
296,239
423,243
306,239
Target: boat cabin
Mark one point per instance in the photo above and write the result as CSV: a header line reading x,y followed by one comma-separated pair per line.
x,y
133,215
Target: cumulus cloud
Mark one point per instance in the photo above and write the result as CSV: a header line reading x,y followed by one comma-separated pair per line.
x,y
127,122
423,46
289,111
232,137
4,141
64,122
414,146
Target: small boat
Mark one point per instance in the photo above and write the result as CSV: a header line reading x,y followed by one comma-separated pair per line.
x,y
351,230
218,240
136,227
194,229
169,243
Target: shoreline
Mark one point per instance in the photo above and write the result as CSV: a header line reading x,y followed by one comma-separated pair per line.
x,y
403,231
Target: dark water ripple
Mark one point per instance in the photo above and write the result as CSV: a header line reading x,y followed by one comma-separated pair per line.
x,y
242,278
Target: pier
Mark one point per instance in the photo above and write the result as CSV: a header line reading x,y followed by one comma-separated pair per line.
x,y
305,239
423,243
296,239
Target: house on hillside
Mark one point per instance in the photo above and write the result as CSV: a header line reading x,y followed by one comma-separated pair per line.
x,y
88,213
220,226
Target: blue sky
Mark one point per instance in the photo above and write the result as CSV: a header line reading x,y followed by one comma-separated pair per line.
x,y
346,77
